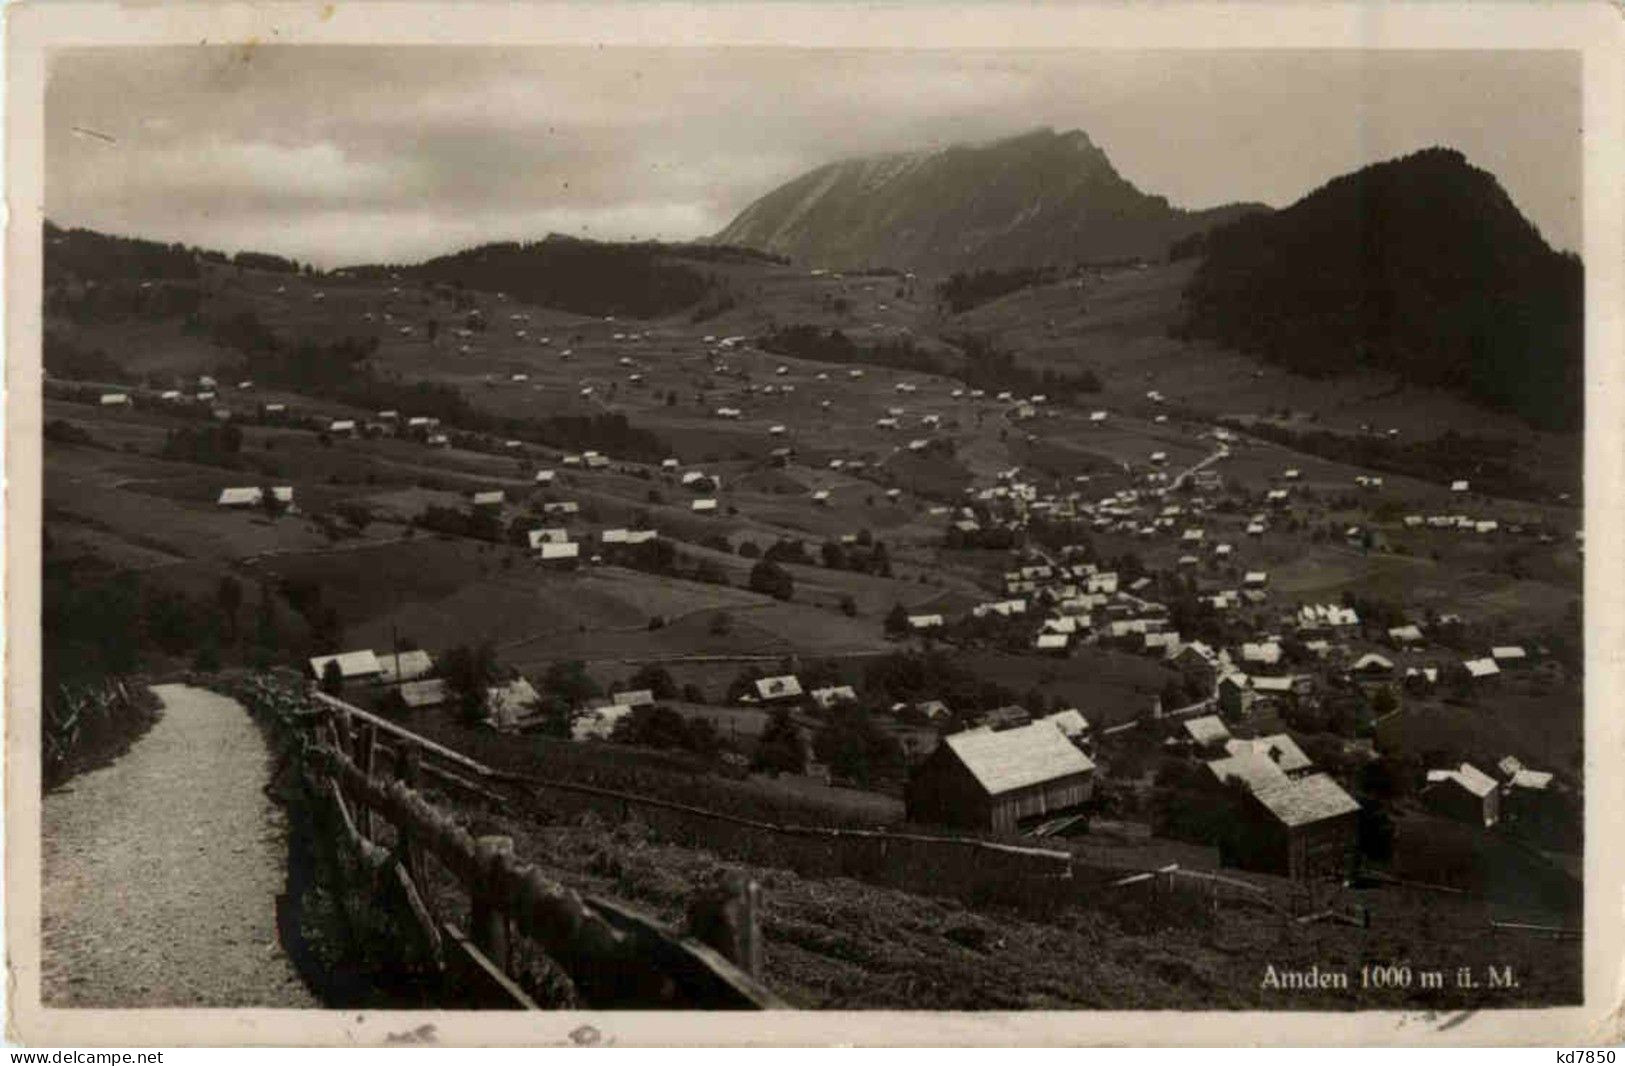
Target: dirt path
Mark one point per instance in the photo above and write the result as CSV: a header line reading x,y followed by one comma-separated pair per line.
x,y
162,871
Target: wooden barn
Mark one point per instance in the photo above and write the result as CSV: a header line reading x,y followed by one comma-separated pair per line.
x,y
982,779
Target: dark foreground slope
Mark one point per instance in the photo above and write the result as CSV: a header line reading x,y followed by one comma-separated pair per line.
x,y
1422,266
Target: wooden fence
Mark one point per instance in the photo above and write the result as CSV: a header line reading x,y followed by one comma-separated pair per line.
x,y
615,957
979,871
79,720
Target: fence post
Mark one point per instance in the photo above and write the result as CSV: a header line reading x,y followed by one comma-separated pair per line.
x,y
366,739
486,914
728,918
406,768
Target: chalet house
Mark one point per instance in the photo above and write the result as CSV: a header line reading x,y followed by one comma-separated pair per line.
x,y
1051,643
1262,653
785,689
998,780
833,695
514,706
1235,695
554,553
598,723
1465,793
1509,657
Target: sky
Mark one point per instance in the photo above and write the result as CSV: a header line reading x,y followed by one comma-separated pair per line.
x,y
340,155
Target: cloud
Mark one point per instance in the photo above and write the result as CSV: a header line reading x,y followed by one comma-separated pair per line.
x,y
347,154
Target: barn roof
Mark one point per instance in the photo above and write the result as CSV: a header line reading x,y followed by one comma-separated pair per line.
x,y
778,688
430,693
351,663
1207,729
1313,799
1468,777
1012,759
1257,770
1279,747
405,666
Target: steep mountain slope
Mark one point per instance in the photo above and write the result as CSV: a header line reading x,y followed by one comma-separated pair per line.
x,y
1037,199
1422,266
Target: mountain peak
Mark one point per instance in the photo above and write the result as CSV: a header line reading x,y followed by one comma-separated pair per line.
x,y
1035,198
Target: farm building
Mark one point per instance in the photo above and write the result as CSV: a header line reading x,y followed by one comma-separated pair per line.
x,y
982,779
704,506
115,399
1482,669
405,666
637,697
353,665
342,427
1509,657
253,496
1303,829
785,689
429,693
1465,793
488,499
544,477
561,507
1458,486
1372,665
918,622
1405,636
1052,643
1255,579
564,554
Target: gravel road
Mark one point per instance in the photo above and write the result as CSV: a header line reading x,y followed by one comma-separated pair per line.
x,y
162,870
